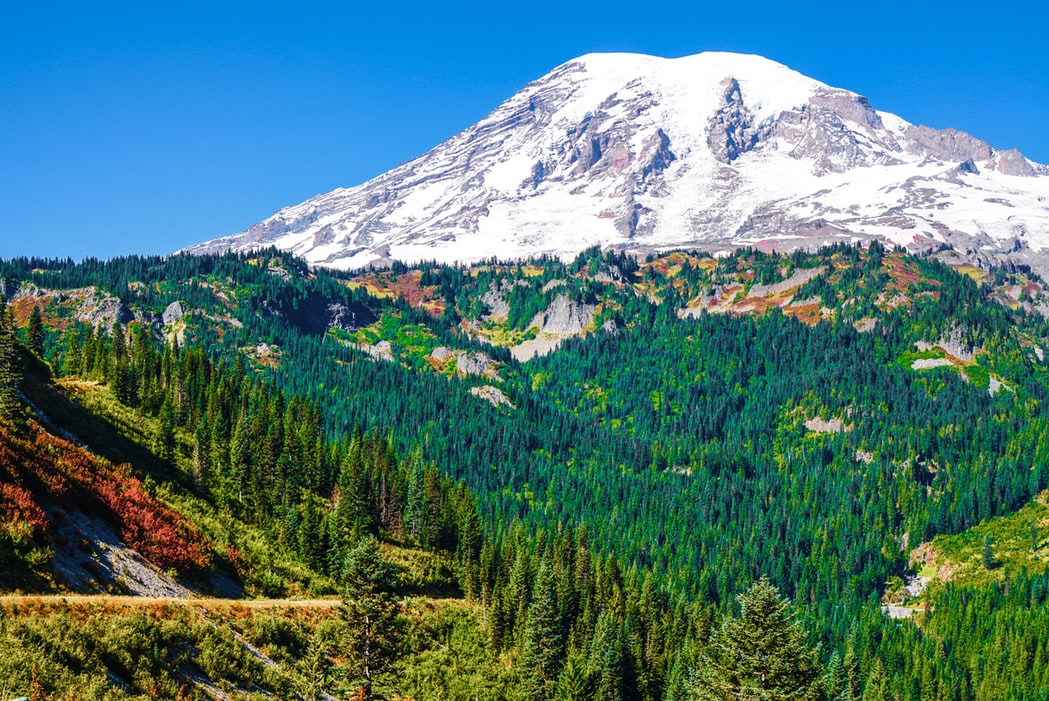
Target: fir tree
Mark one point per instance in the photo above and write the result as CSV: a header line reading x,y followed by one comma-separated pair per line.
x,y
370,613
543,644
574,682
761,655
987,555
315,671
35,332
9,374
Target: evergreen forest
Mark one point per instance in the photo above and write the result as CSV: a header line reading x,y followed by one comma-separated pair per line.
x,y
808,476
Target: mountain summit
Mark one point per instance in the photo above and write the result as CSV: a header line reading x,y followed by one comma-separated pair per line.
x,y
711,151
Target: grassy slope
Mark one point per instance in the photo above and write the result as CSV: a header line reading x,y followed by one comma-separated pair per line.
x,y
1018,541
119,647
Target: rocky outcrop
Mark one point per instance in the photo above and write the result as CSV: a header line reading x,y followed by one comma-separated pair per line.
x,y
564,317
476,364
949,144
1012,162
837,131
468,363
492,395
797,279
383,350
347,318
174,312
731,131
498,307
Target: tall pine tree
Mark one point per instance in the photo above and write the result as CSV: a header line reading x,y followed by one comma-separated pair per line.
x,y
9,373
761,655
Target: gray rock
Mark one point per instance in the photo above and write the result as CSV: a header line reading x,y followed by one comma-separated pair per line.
x,y
498,307
347,318
174,312
730,130
475,364
1012,162
441,353
492,395
564,317
951,144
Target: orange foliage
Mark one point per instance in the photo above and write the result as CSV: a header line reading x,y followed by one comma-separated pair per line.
x,y
17,506
42,468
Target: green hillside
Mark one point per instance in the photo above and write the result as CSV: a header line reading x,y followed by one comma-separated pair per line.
x,y
602,455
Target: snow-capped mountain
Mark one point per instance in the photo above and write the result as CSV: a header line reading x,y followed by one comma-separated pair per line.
x,y
711,151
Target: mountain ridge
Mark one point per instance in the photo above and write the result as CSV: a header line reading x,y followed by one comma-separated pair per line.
x,y
713,151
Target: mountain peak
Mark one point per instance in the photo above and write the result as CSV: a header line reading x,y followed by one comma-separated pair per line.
x,y
714,150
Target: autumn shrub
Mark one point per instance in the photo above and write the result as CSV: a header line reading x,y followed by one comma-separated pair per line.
x,y
17,506
46,469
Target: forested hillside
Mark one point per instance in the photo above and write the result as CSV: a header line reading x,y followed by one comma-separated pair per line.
x,y
600,455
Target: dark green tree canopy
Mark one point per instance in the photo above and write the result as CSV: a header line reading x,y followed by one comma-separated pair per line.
x,y
760,656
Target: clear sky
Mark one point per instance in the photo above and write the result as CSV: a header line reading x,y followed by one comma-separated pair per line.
x,y
143,127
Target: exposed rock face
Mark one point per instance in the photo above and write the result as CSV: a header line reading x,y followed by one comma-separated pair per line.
x,y
713,151
468,363
93,307
347,318
796,280
475,364
442,353
837,131
492,395
1012,162
498,307
950,144
564,317
821,425
731,131
174,312
383,350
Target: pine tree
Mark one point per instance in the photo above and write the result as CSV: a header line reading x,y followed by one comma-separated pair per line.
x,y
370,613
9,375
574,683
315,670
761,655
877,686
988,553
415,510
118,369
543,643
606,662
35,332
166,440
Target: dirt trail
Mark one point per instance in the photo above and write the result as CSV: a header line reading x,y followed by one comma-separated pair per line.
x,y
133,601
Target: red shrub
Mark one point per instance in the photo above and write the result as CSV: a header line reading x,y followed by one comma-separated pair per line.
x,y
55,470
18,506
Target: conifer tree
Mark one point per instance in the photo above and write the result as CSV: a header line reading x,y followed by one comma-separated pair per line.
x,y
574,682
543,643
606,662
877,687
761,655
35,332
9,374
987,555
370,613
316,668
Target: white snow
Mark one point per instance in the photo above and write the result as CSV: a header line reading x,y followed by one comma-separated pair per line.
x,y
472,197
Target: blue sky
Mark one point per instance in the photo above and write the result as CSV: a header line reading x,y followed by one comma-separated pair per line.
x,y
147,126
